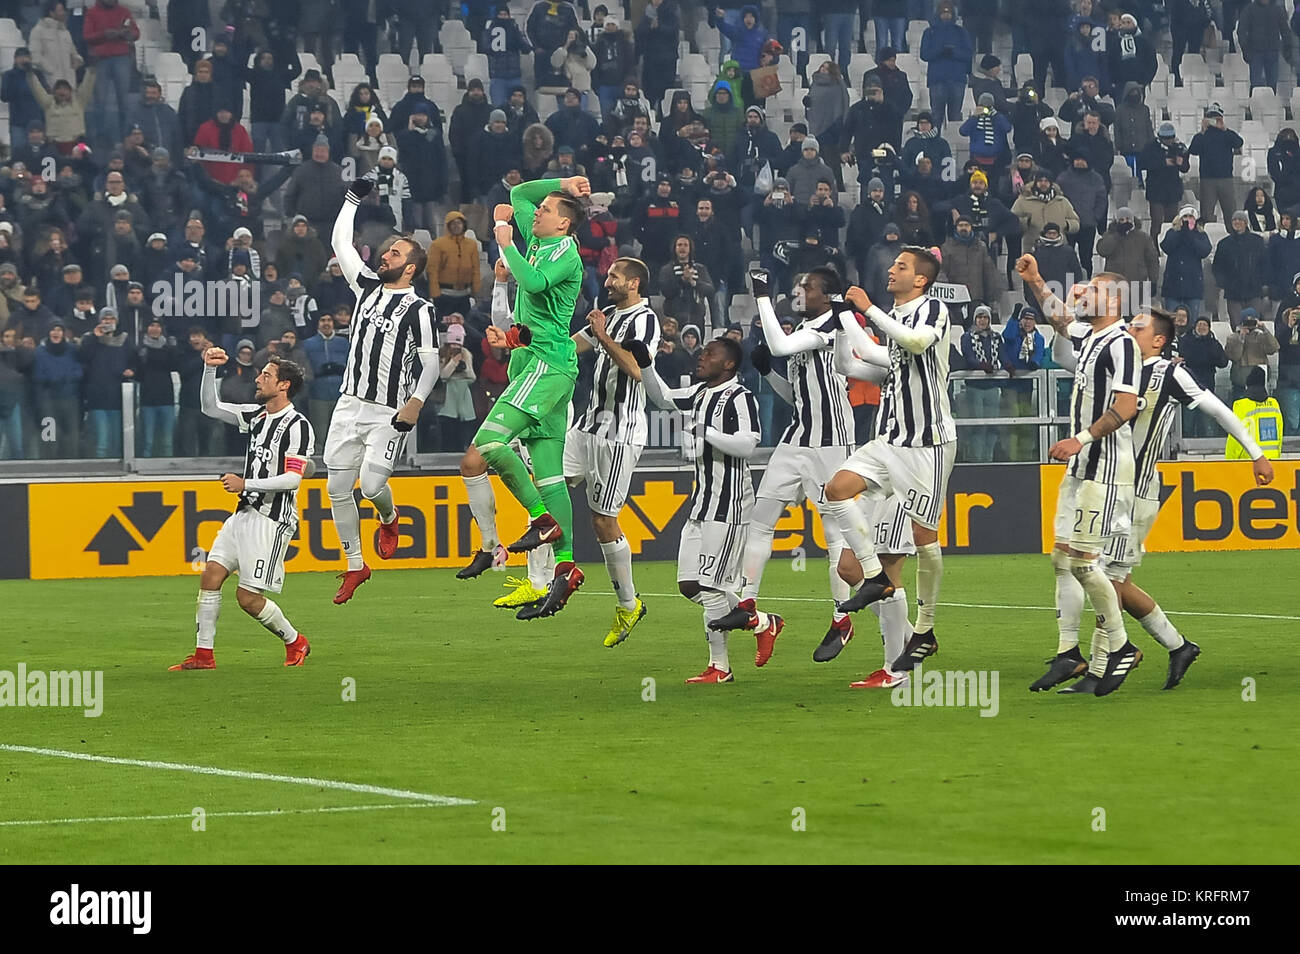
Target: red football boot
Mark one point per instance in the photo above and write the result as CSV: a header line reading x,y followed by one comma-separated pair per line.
x,y
767,639
351,580
201,659
296,652
387,544
712,674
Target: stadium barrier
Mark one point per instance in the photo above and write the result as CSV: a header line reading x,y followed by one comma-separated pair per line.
x,y
157,527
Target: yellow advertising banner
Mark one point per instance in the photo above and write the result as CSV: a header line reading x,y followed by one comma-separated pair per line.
x,y
164,528
1209,505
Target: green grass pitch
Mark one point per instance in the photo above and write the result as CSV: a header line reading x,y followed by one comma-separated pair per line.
x,y
547,732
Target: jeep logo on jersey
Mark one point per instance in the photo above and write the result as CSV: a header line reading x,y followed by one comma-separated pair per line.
x,y
264,454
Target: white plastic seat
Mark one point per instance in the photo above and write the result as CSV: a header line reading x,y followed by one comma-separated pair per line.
x,y
476,66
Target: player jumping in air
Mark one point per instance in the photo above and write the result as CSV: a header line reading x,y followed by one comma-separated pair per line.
x,y
913,453
1164,385
543,369
253,540
380,399
605,443
723,423
1095,503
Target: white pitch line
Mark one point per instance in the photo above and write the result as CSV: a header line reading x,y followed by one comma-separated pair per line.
x,y
236,773
990,606
95,819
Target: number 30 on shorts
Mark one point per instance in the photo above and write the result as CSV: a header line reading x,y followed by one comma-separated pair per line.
x,y
917,504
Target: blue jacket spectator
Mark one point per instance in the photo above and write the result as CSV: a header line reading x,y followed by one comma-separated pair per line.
x,y
1187,247
1023,348
328,355
946,46
747,37
1081,59
15,91
58,373
987,131
502,43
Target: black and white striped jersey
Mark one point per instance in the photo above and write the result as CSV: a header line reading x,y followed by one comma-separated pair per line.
x,y
724,487
616,408
914,408
823,416
388,326
1164,386
1109,364
277,444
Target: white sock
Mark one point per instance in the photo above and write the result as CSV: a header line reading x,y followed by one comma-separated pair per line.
x,y
1162,631
853,527
383,502
205,618
347,522
758,550
894,628
1105,603
618,560
716,606
483,505
840,591
541,566
1097,664
1069,608
929,574
272,617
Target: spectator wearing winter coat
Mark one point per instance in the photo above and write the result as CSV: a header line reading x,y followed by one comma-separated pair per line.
x,y
1249,347
1085,99
1091,201
992,219
804,175
453,267
1023,351
872,122
467,121
987,131
57,376
822,216
1051,151
158,121
404,108
987,78
755,145
866,226
156,359
1286,329
502,42
16,364
1082,58
1187,246
110,30
879,259
686,284
926,179
1057,261
925,140
747,37
655,224
1203,354
327,353
1091,140
1241,268
1283,255
65,111
779,221
967,261
1131,58
54,52
1027,114
17,92
1260,214
657,46
316,189
575,60
221,132
723,117
1133,129
981,346
1216,144
1164,161
896,88
574,126
108,361
947,48
1284,168
548,26
1263,35
913,218
1128,251
1044,203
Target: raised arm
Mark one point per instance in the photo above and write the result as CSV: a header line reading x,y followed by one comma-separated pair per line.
x,y
782,344
1049,304
209,397
1209,405
341,238
914,340
862,343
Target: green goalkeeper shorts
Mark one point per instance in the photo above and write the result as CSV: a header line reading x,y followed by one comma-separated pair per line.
x,y
544,395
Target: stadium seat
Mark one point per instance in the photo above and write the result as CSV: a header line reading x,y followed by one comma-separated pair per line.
x,y
665,104
476,66
309,62
433,68
859,65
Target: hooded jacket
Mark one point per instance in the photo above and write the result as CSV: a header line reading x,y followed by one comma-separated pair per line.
x,y
1203,355
1133,129
746,43
1037,209
1081,59
968,262
724,121
1284,169
1164,182
453,260
1186,249
1241,265
502,42
947,47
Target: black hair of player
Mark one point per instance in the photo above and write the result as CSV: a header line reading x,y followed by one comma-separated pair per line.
x,y
1163,323
286,370
831,282
634,268
571,209
734,353
925,263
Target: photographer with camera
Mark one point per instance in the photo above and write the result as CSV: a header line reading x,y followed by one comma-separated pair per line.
x,y
1216,144
687,286
1027,116
1187,246
871,123
1164,162
778,219
987,130
1248,348
456,417
575,60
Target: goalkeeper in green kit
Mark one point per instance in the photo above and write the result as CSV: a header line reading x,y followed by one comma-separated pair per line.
x,y
543,369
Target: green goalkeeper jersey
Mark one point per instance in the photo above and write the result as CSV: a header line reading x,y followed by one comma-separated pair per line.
x,y
549,281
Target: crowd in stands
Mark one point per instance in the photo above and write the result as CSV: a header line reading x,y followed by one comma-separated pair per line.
x,y
714,137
